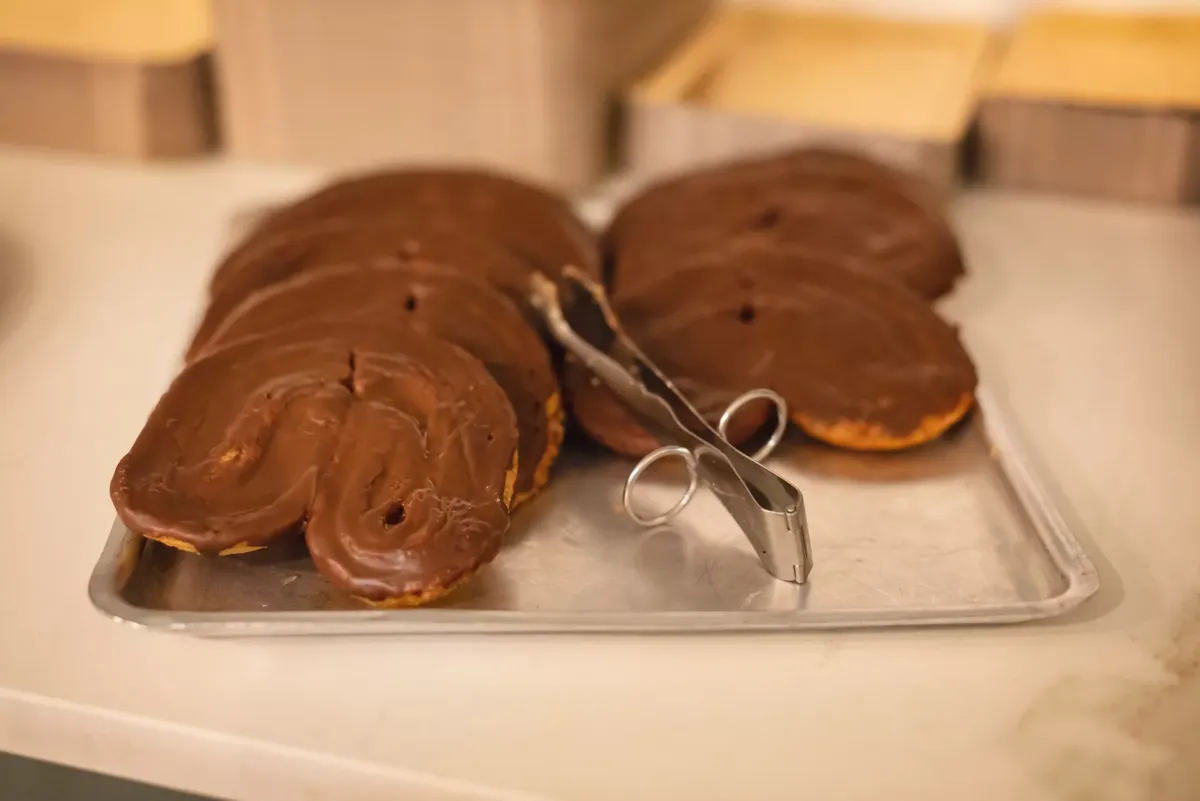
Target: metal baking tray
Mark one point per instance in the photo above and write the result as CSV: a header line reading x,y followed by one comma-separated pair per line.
x,y
960,531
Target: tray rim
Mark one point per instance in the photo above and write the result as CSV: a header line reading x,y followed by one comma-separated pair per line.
x,y
1038,498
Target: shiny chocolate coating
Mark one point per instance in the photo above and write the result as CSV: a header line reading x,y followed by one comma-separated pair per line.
x,y
437,300
863,215
532,223
392,448
380,240
845,350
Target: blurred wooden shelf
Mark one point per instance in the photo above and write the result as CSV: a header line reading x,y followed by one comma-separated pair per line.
x,y
1097,103
115,77
147,31
520,85
758,79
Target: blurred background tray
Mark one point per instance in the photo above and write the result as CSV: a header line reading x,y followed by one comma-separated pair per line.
x,y
753,80
1097,103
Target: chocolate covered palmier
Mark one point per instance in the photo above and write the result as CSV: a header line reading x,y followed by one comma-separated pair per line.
x,y
393,449
862,364
440,301
856,212
530,222
377,240
422,479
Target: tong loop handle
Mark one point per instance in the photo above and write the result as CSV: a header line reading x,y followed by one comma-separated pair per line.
x,y
768,509
781,419
689,459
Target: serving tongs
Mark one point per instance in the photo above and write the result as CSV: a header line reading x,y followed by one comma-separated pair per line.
x,y
769,510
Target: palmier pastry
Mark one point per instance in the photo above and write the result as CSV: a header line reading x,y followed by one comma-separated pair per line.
x,y
862,364
378,240
531,223
394,450
443,302
853,211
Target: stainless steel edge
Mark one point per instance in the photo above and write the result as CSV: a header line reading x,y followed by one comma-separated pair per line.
x,y
1045,502
1080,581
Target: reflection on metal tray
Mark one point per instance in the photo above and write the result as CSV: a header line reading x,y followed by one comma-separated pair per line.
x,y
959,531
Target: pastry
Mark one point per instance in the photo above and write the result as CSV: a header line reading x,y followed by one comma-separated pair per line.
x,y
437,300
529,222
376,240
861,363
856,212
392,449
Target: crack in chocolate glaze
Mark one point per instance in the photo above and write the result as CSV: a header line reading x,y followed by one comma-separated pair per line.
x,y
348,381
444,302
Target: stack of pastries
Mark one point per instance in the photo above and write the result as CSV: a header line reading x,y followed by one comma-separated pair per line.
x,y
369,375
366,375
810,273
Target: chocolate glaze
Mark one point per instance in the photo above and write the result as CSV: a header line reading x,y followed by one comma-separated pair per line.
x,y
395,447
605,417
865,215
231,454
437,300
374,241
529,221
418,494
839,346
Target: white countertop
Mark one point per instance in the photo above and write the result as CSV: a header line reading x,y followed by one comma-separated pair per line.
x,y
1086,318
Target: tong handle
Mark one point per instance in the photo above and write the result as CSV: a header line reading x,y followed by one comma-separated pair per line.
x,y
768,509
689,459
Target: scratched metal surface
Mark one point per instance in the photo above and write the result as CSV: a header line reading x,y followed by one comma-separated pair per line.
x,y
957,532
